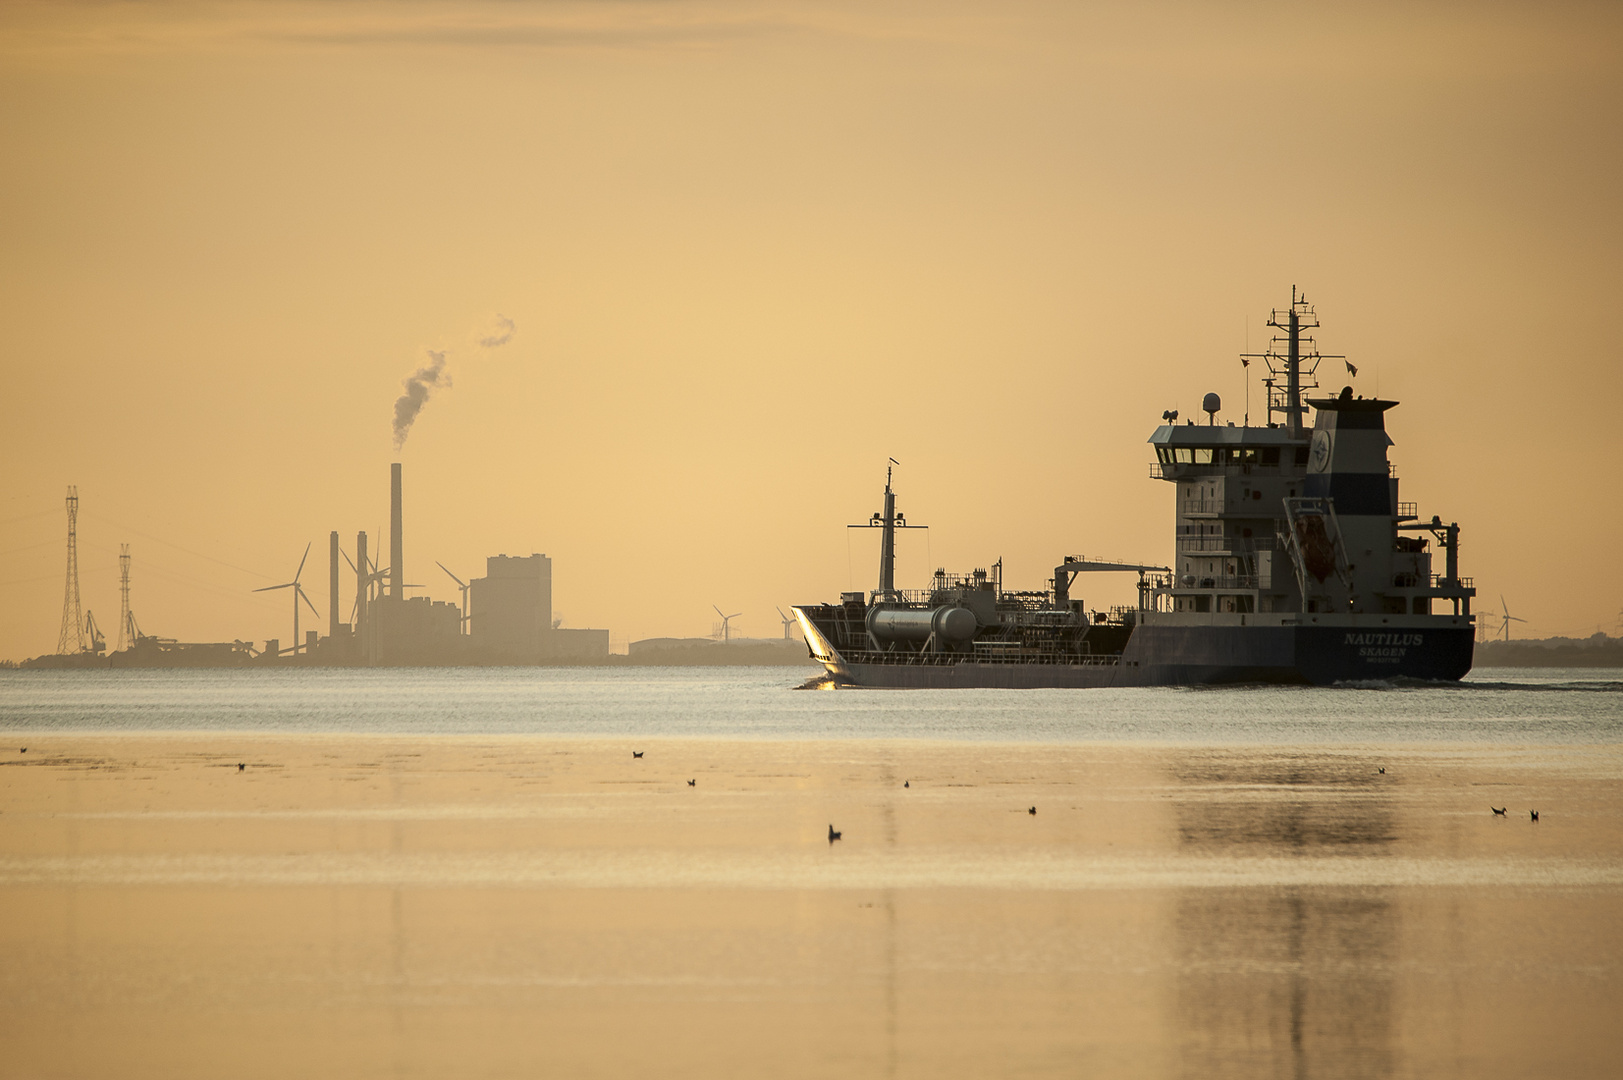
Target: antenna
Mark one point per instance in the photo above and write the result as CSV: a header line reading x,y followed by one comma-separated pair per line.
x,y
726,624
1245,363
1297,366
71,638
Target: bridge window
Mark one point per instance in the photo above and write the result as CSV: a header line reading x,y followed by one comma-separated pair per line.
x,y
1270,455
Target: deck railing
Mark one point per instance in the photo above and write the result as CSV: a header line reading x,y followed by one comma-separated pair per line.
x,y
943,659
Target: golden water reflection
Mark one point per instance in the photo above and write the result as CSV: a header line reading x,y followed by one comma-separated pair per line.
x,y
1289,981
534,907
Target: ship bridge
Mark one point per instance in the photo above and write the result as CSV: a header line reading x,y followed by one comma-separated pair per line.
x,y
1180,450
1288,517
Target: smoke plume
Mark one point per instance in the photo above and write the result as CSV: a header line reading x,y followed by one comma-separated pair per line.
x,y
406,407
433,376
503,334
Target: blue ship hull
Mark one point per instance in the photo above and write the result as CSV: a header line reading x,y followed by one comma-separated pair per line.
x,y
1202,656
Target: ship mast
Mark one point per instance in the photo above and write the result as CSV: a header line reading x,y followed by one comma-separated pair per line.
x,y
887,522
1291,372
887,542
1293,369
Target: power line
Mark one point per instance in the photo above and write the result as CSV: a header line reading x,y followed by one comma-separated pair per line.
x,y
178,547
180,577
27,517
30,547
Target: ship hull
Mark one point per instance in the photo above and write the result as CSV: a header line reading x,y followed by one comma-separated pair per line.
x,y
1205,656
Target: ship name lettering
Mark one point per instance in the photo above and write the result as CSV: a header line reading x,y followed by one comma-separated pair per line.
x,y
1382,648
1384,640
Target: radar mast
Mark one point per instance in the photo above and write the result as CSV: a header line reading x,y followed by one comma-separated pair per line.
x,y
1292,372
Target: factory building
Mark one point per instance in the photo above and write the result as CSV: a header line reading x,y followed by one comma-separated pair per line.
x,y
510,621
510,616
505,617
416,630
510,608
392,628
570,645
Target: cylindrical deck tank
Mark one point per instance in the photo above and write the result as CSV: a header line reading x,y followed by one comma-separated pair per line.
x,y
909,624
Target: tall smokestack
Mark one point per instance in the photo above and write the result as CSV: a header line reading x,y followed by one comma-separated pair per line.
x,y
332,594
397,550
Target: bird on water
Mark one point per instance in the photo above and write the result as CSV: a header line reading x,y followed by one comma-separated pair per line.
x,y
693,783
241,765
907,783
1535,815
1383,770
1499,810
636,753
1032,811
833,834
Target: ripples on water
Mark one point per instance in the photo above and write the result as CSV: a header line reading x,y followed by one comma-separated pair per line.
x,y
1492,705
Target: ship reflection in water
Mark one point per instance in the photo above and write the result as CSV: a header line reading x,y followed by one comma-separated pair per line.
x,y
1294,981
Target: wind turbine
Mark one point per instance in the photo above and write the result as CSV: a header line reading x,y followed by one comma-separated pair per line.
x,y
298,594
1507,618
363,583
726,624
461,585
788,624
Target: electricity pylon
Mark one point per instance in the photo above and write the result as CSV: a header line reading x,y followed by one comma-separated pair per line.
x,y
71,639
126,628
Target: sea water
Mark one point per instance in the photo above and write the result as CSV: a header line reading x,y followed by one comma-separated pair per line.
x,y
1504,705
1171,883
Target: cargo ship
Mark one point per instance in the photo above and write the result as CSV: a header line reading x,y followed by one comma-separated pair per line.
x,y
1294,562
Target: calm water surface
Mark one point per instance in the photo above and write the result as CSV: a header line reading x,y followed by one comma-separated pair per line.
x,y
1221,883
1492,706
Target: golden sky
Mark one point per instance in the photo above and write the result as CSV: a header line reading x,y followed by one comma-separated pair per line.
x,y
750,251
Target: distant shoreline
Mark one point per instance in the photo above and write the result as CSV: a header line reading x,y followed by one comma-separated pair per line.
x,y
697,656
1596,652
1599,651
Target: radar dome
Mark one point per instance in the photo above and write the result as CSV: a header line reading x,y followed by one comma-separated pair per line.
x,y
1211,404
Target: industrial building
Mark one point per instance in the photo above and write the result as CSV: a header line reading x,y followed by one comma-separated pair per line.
x,y
390,628
510,609
510,621
507,618
510,617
